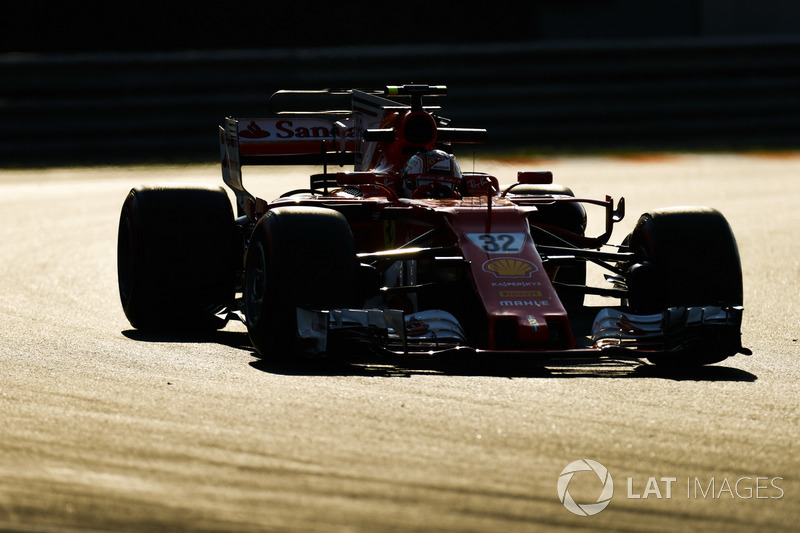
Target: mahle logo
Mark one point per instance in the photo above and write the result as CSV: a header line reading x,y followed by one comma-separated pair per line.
x,y
585,509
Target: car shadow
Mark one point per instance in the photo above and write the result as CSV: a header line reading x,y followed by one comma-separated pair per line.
x,y
233,339
716,372
401,366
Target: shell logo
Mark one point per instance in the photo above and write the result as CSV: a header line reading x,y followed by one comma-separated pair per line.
x,y
509,267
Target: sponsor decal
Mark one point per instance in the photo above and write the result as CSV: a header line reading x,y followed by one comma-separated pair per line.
x,y
478,182
510,267
520,294
626,326
289,130
416,327
516,284
524,303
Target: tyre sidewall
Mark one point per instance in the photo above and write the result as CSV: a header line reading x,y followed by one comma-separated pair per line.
x,y
176,257
309,261
692,258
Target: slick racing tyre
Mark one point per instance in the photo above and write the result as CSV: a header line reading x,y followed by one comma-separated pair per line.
x,y
176,257
685,257
297,257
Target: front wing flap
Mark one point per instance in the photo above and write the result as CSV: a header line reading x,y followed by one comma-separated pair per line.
x,y
675,329
615,333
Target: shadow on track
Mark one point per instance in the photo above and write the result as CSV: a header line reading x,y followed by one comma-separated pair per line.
x,y
232,339
703,373
393,367
404,368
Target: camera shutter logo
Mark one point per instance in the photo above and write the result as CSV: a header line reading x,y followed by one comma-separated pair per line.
x,y
585,509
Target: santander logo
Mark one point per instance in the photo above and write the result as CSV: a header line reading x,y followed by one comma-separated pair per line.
x,y
304,129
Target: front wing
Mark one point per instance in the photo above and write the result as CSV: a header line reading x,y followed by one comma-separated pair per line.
x,y
614,333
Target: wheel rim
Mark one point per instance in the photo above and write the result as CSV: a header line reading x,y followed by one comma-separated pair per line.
x,y
256,283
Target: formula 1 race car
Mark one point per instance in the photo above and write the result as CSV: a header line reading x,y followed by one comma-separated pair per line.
x,y
408,255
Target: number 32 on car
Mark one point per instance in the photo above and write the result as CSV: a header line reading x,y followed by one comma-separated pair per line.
x,y
498,243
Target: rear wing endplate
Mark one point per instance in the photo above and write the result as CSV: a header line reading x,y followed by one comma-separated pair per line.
x,y
282,141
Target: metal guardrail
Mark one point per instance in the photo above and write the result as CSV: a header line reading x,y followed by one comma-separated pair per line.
x,y
674,94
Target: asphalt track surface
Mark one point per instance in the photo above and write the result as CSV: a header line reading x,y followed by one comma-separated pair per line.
x,y
106,429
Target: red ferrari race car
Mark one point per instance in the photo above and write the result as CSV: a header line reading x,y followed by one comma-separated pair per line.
x,y
409,255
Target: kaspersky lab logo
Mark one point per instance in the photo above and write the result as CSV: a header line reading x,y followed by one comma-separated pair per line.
x,y
589,466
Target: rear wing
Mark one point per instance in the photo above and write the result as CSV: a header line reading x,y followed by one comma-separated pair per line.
x,y
288,140
299,136
303,134
282,141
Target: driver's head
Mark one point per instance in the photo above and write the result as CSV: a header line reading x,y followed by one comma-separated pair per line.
x,y
432,174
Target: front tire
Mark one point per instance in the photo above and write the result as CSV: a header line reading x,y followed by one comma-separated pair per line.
x,y
685,257
297,257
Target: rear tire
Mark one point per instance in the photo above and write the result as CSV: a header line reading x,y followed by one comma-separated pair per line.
x,y
297,257
685,257
176,257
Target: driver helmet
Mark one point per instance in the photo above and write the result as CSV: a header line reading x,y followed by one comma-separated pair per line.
x,y
432,174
